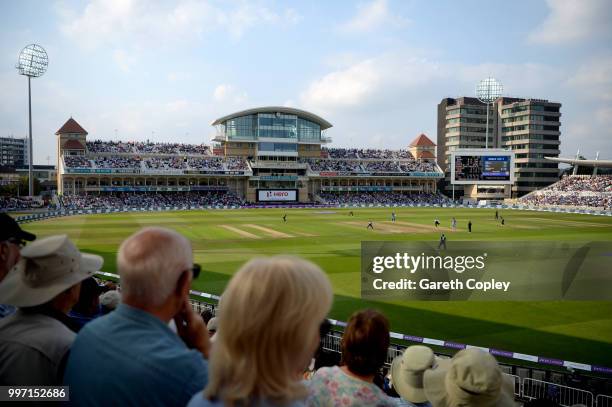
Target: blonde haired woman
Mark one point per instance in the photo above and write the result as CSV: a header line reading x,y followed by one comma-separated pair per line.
x,y
268,331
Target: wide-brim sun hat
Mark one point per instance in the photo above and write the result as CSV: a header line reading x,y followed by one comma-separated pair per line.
x,y
407,372
47,267
471,378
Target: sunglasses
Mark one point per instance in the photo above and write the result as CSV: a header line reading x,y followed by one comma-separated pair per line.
x,y
17,242
195,270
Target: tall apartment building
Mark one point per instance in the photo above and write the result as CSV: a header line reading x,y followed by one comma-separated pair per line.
x,y
528,127
13,152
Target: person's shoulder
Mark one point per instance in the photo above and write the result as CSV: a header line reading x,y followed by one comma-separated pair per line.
x,y
28,324
97,325
327,371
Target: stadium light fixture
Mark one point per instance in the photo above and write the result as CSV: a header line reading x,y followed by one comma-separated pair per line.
x,y
33,62
487,91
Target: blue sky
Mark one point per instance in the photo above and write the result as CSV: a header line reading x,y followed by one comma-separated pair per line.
x,y
137,70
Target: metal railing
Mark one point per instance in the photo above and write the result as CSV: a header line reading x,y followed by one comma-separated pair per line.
x,y
564,395
603,401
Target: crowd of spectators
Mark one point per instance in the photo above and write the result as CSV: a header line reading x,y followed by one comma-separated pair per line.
x,y
579,191
369,153
549,198
598,183
165,163
193,199
422,166
149,347
384,198
146,200
13,204
77,161
381,166
203,164
351,165
236,164
160,163
334,165
124,162
99,146
349,198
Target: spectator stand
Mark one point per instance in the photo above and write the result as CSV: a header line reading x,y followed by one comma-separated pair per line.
x,y
526,388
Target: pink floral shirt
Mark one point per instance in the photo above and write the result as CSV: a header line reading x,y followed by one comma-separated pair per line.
x,y
330,386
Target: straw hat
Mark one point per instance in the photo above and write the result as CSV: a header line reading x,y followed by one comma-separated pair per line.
x,y
47,267
471,378
407,372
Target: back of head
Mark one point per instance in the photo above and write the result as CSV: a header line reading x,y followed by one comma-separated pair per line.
x,y
150,263
365,342
269,319
89,297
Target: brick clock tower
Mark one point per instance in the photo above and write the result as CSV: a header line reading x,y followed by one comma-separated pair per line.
x,y
71,139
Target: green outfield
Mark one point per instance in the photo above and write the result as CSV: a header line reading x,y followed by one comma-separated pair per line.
x,y
224,239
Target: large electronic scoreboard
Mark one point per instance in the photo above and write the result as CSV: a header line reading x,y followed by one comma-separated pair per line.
x,y
482,166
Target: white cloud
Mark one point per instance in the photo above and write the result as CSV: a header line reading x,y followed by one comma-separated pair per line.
x,y
399,93
572,21
371,16
593,79
348,87
228,93
392,78
143,22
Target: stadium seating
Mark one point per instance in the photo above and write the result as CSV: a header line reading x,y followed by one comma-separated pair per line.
x,y
99,146
153,157
13,204
175,156
77,161
146,201
383,198
358,153
579,191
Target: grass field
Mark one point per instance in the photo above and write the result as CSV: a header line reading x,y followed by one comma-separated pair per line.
x,y
224,240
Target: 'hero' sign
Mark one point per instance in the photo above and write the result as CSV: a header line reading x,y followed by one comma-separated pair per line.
x,y
272,195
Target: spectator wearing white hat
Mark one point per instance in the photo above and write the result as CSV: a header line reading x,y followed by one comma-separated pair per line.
x,y
407,375
131,356
44,284
471,378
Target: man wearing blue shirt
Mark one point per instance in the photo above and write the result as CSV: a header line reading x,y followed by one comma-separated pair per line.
x,y
131,356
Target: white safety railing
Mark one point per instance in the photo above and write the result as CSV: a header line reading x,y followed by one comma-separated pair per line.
x,y
564,395
603,401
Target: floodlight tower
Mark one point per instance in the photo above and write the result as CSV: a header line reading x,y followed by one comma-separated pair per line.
x,y
487,91
33,62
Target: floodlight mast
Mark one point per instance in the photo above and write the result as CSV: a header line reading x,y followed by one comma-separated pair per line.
x,y
33,62
487,91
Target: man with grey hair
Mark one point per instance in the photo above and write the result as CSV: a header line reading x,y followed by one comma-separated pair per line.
x,y
131,356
